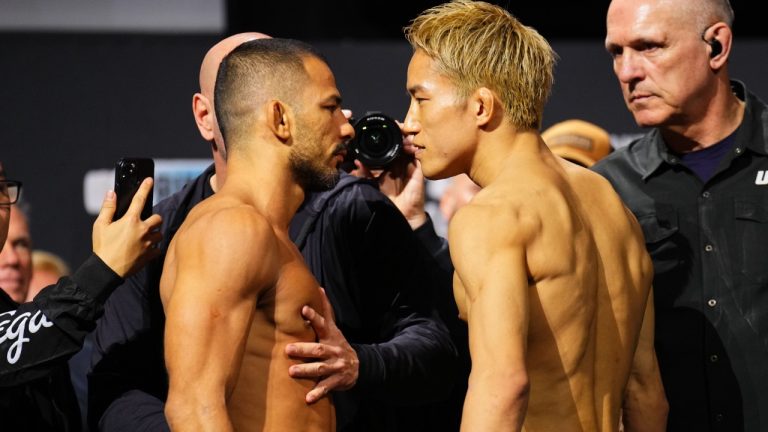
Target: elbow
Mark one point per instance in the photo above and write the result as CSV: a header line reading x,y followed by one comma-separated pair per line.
x,y
646,410
509,390
176,408
520,389
185,411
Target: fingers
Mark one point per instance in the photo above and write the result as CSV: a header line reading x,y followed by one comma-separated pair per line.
x,y
316,320
108,207
311,370
361,170
153,221
137,203
417,174
311,350
322,389
330,378
347,113
408,146
327,308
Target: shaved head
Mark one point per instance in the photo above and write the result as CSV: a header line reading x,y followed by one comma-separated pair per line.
x,y
202,102
252,74
216,54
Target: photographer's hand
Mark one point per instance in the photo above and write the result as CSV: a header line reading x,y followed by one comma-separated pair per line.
x,y
335,362
126,244
403,183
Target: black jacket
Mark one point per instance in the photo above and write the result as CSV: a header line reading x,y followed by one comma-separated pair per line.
x,y
406,354
37,339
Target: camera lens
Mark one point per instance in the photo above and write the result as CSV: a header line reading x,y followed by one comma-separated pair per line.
x,y
378,140
375,141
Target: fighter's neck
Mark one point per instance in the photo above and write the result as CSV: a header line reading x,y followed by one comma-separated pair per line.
x,y
268,187
495,153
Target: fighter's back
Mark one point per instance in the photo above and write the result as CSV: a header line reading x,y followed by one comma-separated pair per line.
x,y
611,274
588,279
269,273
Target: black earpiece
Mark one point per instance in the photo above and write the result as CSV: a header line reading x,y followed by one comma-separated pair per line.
x,y
716,46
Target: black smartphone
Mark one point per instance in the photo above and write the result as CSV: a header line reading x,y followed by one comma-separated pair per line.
x,y
129,173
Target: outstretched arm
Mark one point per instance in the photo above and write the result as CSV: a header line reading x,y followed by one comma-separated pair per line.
x,y
645,405
209,309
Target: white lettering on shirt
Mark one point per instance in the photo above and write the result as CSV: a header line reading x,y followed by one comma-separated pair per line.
x,y
14,329
762,178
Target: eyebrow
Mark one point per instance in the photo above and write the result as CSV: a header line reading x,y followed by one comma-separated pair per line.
x,y
335,99
415,88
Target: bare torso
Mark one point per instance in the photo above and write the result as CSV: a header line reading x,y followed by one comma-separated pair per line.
x,y
259,394
588,278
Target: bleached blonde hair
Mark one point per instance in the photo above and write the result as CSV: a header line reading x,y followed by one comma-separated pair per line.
x,y
476,44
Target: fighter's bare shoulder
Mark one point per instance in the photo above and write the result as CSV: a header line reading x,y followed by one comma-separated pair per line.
x,y
233,238
491,221
597,192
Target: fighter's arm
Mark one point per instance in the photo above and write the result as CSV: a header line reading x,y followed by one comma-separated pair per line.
x,y
490,258
209,312
645,405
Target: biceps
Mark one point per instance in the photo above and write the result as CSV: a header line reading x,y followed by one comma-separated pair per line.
x,y
204,341
498,311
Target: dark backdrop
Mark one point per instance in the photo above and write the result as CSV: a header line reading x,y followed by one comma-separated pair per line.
x,y
72,103
376,19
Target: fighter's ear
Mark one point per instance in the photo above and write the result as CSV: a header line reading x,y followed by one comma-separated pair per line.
x,y
202,109
279,119
484,105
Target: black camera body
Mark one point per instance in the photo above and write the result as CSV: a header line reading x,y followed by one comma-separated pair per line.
x,y
378,140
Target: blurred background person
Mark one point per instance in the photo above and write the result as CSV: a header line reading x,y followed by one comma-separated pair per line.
x,y
16,257
47,268
578,141
459,192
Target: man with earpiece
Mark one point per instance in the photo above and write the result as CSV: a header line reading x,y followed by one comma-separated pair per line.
x,y
697,182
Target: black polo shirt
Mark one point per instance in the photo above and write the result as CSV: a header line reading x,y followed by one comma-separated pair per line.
x,y
708,244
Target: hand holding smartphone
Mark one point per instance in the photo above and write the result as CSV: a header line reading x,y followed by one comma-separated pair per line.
x,y
129,173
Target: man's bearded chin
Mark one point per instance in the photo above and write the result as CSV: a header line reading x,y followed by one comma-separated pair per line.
x,y
312,176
